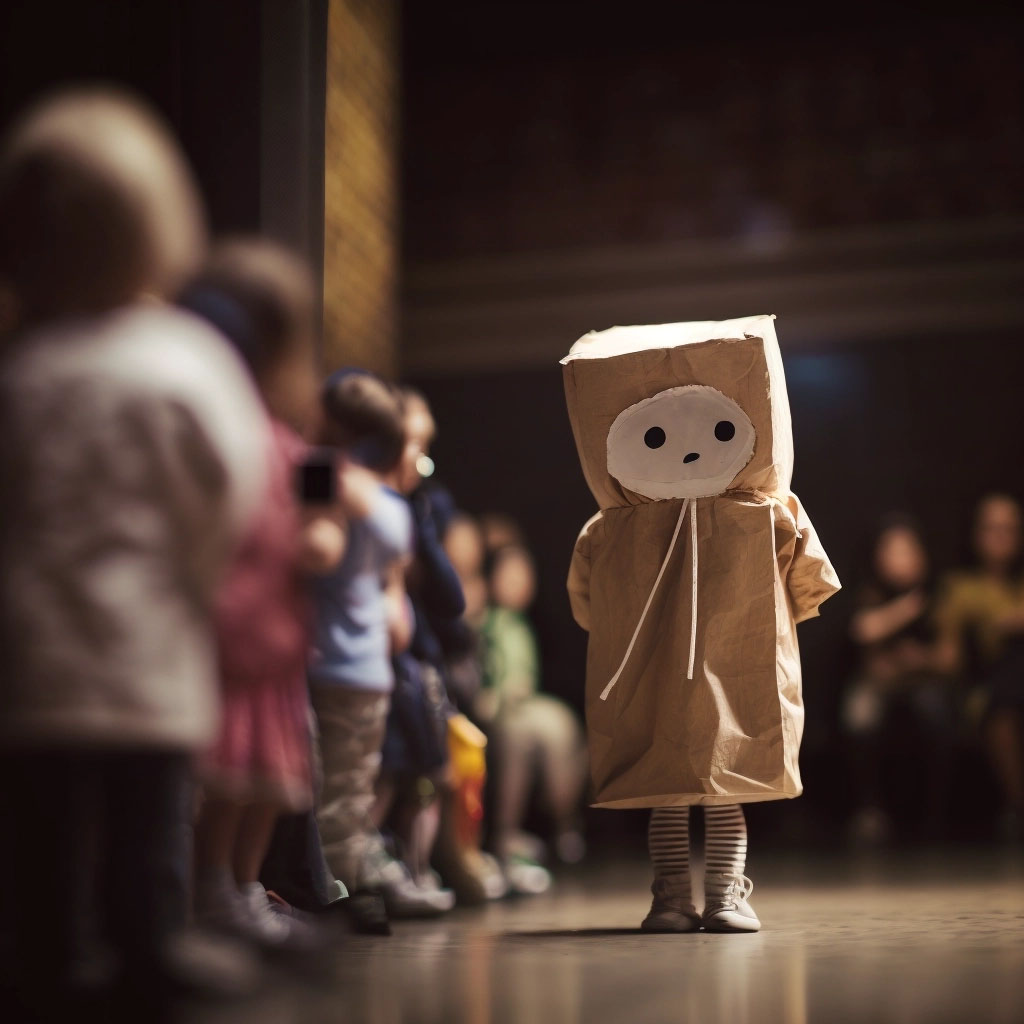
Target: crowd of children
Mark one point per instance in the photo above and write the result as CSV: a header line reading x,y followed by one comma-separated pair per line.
x,y
242,674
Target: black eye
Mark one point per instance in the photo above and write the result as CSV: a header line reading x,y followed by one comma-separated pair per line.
x,y
724,430
654,438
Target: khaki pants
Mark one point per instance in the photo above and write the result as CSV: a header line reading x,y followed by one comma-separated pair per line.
x,y
351,724
537,739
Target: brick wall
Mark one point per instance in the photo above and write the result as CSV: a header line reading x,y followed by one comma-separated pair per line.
x,y
360,202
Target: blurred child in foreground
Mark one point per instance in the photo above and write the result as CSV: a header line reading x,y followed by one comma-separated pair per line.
x,y
261,298
131,462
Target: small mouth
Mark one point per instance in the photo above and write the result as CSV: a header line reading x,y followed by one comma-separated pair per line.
x,y
692,457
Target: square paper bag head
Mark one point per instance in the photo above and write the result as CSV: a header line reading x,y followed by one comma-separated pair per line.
x,y
697,567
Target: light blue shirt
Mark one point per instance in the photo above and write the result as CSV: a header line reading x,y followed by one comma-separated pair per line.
x,y
350,642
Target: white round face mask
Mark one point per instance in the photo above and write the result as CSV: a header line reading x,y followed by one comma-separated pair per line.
x,y
687,442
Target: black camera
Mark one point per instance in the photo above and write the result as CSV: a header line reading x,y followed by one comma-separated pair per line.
x,y
317,478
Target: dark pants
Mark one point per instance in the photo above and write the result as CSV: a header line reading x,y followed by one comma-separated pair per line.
x,y
1005,682
902,761
295,867
95,848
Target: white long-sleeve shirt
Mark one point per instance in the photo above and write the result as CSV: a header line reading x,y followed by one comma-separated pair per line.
x,y
131,459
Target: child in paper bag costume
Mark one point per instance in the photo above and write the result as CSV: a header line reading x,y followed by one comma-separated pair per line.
x,y
690,581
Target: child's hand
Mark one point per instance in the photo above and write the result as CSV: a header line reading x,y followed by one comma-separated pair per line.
x,y
357,487
872,625
323,543
487,704
401,624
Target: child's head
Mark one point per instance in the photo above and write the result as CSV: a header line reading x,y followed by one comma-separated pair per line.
x,y
363,416
997,532
513,578
97,207
900,561
419,435
260,296
464,545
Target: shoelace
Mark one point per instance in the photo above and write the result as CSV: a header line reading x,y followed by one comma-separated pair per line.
x,y
739,887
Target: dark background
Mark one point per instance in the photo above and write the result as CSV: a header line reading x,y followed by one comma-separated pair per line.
x,y
239,81
198,62
552,125
541,141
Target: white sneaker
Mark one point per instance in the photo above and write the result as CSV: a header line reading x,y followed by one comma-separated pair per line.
x,y
402,896
725,905
526,878
672,908
219,906
494,881
269,927
430,881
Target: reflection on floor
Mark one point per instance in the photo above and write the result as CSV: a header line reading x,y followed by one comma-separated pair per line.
x,y
912,938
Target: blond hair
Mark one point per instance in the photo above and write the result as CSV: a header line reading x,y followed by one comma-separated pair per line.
x,y
97,206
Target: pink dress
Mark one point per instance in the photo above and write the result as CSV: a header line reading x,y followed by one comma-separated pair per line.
x,y
263,632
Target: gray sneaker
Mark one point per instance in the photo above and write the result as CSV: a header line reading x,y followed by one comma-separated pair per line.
x,y
672,908
402,896
725,907
272,929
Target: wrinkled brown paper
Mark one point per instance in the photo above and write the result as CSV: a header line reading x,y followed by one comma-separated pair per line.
x,y
732,733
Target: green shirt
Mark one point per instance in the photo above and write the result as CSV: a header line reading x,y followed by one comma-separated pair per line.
x,y
510,659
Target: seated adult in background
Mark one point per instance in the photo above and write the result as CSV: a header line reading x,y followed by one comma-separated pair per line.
x,y
980,623
897,696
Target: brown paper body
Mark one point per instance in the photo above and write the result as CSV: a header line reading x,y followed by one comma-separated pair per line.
x,y
732,733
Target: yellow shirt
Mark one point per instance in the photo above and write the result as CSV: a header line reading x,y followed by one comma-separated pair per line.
x,y
973,603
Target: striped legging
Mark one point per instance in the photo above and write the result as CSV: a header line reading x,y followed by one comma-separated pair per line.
x,y
725,841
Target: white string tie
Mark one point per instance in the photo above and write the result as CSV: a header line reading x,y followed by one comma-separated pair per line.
x,y
693,600
692,506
